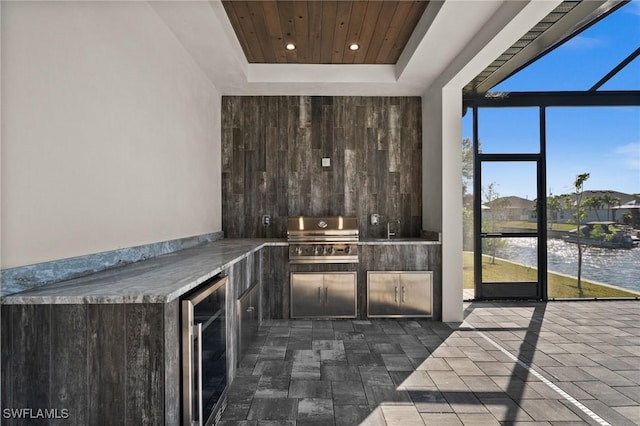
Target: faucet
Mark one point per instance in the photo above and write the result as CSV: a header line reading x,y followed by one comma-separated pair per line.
x,y
389,232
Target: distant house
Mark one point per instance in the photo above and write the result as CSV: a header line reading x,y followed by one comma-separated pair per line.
x,y
509,208
598,205
629,212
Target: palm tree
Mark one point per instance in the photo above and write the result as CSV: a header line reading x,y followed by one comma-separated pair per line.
x,y
593,203
610,201
556,205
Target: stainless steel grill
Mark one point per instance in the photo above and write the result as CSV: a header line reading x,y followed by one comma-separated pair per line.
x,y
331,239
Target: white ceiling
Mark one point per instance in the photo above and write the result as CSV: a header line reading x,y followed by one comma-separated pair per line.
x,y
446,30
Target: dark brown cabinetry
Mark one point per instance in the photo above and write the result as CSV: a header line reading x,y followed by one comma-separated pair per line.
x,y
117,363
248,316
121,361
114,363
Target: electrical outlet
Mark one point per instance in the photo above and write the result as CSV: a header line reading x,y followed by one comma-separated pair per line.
x,y
266,219
375,219
326,162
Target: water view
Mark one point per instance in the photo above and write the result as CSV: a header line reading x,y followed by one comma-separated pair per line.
x,y
620,268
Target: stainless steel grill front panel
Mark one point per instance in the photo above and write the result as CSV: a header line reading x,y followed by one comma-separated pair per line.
x,y
308,226
330,239
311,252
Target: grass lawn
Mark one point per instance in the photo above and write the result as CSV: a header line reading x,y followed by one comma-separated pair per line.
x,y
560,286
532,225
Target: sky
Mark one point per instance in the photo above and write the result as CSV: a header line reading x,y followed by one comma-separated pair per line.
x,y
604,142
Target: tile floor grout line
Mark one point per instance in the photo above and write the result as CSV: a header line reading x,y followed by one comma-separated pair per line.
x,y
544,380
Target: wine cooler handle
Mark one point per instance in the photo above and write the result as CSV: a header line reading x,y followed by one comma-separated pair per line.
x,y
200,408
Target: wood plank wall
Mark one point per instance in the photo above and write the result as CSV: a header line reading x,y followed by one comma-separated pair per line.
x,y
274,298
271,162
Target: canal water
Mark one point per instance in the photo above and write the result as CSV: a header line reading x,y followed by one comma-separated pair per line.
x,y
618,267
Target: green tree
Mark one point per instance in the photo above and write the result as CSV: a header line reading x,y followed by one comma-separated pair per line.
x,y
593,203
491,221
467,194
467,165
578,219
610,202
556,204
603,234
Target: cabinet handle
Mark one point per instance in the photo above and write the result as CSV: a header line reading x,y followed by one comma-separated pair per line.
x,y
403,294
200,396
396,293
319,294
326,295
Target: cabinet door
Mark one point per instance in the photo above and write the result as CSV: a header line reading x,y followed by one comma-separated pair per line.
x,y
384,294
415,294
245,318
249,322
307,295
340,295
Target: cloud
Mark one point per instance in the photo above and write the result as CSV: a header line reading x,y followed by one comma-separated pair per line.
x,y
629,155
585,43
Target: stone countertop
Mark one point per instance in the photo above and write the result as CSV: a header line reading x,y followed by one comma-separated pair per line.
x,y
158,280
164,278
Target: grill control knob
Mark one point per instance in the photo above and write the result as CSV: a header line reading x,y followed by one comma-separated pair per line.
x,y
347,250
332,250
315,250
298,250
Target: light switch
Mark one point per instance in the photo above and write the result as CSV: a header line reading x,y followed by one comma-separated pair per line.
x,y
326,162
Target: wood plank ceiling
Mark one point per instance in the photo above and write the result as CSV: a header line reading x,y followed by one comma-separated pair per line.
x,y
322,31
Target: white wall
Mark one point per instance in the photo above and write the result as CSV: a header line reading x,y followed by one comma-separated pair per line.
x,y
442,135
442,188
110,132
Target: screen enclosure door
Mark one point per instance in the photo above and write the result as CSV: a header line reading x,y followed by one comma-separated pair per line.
x,y
508,253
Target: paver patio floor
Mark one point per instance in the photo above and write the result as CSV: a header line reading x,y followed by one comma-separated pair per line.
x,y
556,363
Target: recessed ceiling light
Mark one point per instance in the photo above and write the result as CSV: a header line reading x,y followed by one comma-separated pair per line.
x,y
354,46
290,46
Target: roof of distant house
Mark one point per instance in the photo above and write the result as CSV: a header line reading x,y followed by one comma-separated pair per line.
x,y
511,202
621,196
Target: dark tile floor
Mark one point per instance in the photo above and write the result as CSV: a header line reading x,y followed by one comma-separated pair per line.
x,y
561,363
